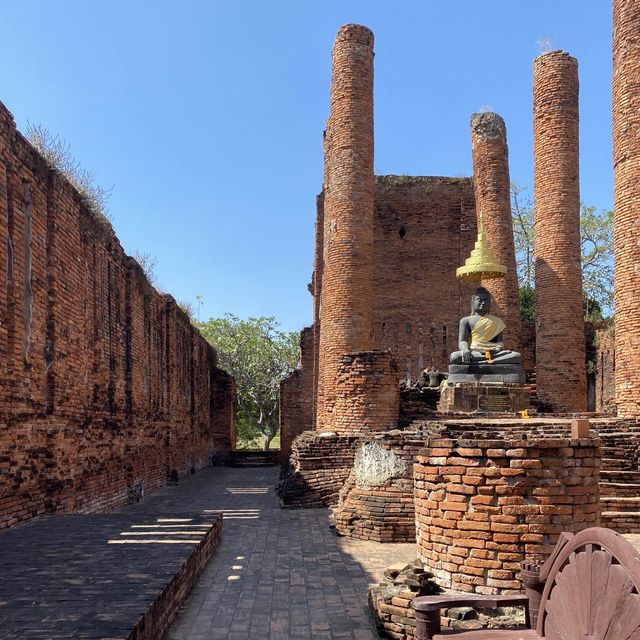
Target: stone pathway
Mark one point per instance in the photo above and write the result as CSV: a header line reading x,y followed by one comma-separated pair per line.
x,y
278,574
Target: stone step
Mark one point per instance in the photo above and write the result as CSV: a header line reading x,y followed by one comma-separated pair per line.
x,y
618,476
621,521
255,458
613,464
620,504
619,489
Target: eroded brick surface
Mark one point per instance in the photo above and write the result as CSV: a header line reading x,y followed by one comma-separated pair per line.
x,y
106,388
347,278
626,198
492,189
481,506
560,348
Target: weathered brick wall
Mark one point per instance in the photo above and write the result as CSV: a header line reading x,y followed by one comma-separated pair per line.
x,y
317,468
492,188
626,200
560,349
605,362
378,506
482,505
367,393
347,277
424,229
296,395
105,386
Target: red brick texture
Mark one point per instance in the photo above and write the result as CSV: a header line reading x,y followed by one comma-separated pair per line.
x,y
383,510
424,228
296,395
367,393
560,348
626,199
106,389
347,278
482,505
492,188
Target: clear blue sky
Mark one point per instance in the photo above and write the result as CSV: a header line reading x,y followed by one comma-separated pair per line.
x,y
207,117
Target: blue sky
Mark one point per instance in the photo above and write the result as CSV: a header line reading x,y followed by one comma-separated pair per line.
x,y
207,117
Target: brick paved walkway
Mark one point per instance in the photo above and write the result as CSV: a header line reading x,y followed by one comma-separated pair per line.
x,y
278,574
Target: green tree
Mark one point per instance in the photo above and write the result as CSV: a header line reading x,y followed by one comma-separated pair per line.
x,y
259,356
596,239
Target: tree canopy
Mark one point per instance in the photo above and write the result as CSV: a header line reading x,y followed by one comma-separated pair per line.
x,y
259,356
596,240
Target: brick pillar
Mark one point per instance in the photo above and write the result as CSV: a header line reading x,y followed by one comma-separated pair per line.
x,y
560,349
626,197
347,278
493,199
317,293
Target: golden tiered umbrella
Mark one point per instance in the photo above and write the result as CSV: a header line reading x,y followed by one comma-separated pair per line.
x,y
481,264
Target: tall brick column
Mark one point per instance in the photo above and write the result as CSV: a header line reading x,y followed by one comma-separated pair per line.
x,y
560,348
492,192
626,197
347,278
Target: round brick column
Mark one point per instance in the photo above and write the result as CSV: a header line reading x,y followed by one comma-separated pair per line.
x,y
367,394
493,199
626,195
560,348
347,278
483,506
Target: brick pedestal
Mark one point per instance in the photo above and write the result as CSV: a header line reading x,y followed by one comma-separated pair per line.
x,y
482,506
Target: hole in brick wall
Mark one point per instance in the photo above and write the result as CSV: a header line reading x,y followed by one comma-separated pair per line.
x,y
403,232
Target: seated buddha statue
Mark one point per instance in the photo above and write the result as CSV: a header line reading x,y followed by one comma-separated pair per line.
x,y
481,350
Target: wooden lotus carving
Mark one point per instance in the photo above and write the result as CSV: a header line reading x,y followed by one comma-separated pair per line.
x,y
592,591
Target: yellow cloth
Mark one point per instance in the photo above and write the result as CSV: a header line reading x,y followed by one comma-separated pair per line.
x,y
485,329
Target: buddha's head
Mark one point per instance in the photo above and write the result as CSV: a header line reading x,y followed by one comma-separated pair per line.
x,y
481,301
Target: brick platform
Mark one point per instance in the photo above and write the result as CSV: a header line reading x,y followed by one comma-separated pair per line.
x,y
116,576
482,505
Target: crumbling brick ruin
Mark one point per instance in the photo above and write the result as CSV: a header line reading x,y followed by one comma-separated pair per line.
x,y
107,390
483,493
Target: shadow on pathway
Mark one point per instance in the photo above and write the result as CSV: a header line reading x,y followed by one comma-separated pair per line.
x,y
278,573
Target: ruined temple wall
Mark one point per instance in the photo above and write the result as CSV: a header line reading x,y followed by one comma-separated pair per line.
x,y
626,198
560,347
105,386
296,394
424,228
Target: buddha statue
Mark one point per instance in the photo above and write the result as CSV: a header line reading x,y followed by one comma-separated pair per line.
x,y
481,356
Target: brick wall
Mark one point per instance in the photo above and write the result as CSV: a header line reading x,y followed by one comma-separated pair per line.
x,y
605,362
296,395
626,199
347,276
424,228
105,387
483,505
492,188
381,508
560,349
